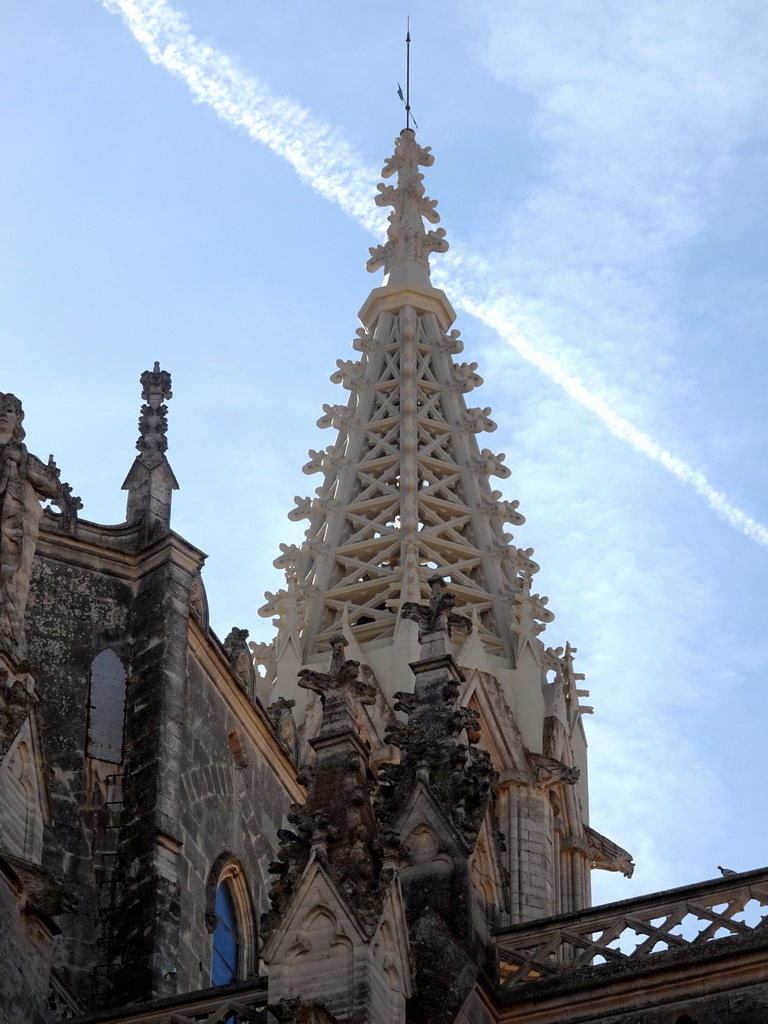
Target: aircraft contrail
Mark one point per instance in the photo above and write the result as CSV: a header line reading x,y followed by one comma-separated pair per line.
x,y
334,169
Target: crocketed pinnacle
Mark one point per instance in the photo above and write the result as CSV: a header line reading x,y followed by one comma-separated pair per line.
x,y
153,421
432,744
150,480
337,821
407,239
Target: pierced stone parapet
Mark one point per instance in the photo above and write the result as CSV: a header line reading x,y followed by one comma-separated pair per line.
x,y
684,920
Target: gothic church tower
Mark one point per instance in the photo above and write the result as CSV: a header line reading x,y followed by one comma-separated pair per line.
x,y
406,495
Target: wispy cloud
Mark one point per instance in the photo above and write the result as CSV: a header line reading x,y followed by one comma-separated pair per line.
x,y
325,161
316,151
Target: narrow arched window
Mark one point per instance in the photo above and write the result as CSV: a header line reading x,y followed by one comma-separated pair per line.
x,y
106,708
226,938
230,920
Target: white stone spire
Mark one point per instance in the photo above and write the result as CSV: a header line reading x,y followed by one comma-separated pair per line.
x,y
406,488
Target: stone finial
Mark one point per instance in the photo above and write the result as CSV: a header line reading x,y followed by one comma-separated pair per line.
x,y
153,421
338,688
530,614
150,480
407,239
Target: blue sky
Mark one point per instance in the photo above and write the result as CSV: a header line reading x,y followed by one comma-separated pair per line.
x,y
600,169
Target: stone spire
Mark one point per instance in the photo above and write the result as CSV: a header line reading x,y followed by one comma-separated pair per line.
x,y
150,480
405,503
406,487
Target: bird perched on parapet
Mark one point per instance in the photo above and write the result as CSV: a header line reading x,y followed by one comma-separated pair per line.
x,y
726,871
286,836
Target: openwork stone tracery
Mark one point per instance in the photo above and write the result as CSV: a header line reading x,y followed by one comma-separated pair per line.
x,y
406,487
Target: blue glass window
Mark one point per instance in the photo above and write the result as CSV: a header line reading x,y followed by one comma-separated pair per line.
x,y
226,940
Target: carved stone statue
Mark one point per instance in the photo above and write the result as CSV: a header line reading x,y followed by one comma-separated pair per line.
x,y
24,482
240,660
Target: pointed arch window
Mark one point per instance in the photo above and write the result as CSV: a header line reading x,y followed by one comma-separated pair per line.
x,y
230,919
106,708
226,938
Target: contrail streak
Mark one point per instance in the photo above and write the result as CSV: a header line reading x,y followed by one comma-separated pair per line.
x,y
326,162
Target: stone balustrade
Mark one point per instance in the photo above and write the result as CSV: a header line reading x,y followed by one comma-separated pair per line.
x,y
688,918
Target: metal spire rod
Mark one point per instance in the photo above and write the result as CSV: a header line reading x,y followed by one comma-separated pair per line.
x,y
408,74
407,98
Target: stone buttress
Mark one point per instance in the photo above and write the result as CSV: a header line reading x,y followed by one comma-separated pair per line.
x,y
106,612
337,935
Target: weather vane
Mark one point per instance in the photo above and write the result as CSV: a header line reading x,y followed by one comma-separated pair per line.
x,y
407,98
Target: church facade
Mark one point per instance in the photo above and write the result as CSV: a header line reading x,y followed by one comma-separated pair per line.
x,y
380,817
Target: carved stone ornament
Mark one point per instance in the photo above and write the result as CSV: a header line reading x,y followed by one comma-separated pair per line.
x,y
437,618
198,601
240,661
438,743
18,697
38,891
280,714
549,771
606,854
25,481
337,822
407,240
153,421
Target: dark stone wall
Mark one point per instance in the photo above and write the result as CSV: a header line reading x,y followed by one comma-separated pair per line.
x,y
227,809
73,613
137,853
147,899
25,959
